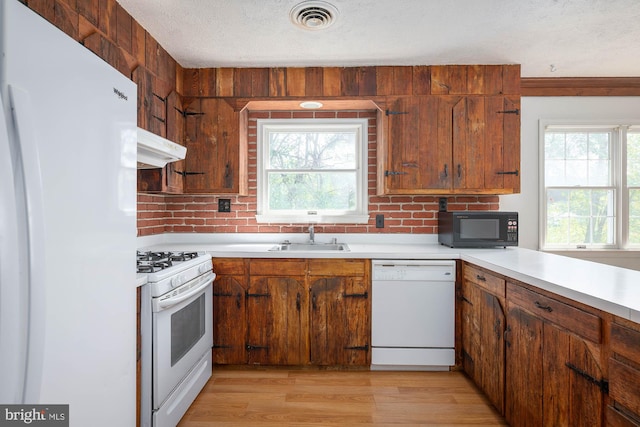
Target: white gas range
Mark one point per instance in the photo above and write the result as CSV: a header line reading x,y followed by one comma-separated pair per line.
x,y
176,332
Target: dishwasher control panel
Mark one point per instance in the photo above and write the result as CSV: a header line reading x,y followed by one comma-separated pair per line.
x,y
422,270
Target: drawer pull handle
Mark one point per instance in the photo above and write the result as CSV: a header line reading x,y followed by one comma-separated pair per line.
x,y
481,278
543,307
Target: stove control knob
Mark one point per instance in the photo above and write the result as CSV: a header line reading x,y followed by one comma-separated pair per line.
x,y
203,268
177,281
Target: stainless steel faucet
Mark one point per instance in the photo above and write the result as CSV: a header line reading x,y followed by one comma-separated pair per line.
x,y
312,234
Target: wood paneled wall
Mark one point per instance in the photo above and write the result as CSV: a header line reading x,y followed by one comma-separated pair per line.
x,y
354,82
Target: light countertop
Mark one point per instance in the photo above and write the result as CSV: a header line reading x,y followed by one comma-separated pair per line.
x,y
611,289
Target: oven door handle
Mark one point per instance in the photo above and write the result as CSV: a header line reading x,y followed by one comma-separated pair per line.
x,y
197,288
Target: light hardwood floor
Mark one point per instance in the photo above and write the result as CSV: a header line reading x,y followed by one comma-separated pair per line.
x,y
280,397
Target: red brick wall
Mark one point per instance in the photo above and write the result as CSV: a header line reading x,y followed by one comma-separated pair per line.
x,y
199,214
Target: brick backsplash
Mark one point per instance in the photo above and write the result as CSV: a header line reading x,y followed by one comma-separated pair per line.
x,y
199,213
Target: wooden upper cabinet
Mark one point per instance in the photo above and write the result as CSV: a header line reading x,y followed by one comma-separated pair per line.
x,y
213,161
463,138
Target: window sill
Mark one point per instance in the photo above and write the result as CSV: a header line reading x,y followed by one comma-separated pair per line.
x,y
312,219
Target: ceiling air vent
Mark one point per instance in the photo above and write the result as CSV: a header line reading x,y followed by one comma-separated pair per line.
x,y
314,15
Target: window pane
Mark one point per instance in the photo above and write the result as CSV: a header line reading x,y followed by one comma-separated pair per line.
x,y
312,191
312,150
577,158
634,216
633,159
580,217
554,145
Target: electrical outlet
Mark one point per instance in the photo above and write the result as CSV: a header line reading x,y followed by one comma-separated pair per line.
x,y
379,221
442,204
224,205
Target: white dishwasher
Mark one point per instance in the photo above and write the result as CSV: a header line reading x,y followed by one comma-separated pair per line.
x,y
413,318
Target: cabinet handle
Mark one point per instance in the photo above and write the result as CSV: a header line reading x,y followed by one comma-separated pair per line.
x,y
364,295
459,170
481,278
238,300
543,307
601,384
314,300
465,299
505,335
298,301
446,171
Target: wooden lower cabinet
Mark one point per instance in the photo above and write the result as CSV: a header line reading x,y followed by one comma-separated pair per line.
x,y
483,324
277,313
340,312
229,318
291,312
554,375
624,374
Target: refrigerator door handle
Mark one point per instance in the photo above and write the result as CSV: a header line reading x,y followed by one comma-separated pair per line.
x,y
22,113
13,299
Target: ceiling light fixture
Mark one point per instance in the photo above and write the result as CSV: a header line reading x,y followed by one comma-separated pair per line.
x,y
313,15
311,105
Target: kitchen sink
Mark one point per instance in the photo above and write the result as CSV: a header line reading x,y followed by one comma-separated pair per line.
x,y
286,246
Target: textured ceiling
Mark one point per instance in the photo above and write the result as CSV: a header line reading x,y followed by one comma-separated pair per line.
x,y
575,38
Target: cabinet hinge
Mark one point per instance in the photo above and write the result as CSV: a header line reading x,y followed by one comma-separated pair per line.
x,y
221,346
392,173
258,295
256,347
516,112
601,384
186,113
364,295
358,347
185,173
160,119
515,172
465,299
394,113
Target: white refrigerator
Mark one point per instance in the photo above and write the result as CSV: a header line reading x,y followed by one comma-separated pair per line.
x,y
67,225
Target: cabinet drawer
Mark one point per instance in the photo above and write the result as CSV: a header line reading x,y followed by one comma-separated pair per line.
x,y
625,342
229,266
493,284
624,385
587,325
337,267
277,267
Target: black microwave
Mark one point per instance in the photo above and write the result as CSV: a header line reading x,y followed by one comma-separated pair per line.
x,y
481,229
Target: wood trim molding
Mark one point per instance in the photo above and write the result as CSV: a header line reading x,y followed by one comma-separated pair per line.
x,y
580,86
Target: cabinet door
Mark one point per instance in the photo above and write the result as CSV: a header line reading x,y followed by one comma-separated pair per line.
x,y
419,145
168,179
340,321
524,380
213,148
553,376
483,323
229,321
277,321
486,144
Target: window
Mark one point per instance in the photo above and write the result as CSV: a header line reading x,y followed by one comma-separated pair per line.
x,y
591,187
312,171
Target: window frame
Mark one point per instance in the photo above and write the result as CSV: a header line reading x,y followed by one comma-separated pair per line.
x,y
619,130
360,215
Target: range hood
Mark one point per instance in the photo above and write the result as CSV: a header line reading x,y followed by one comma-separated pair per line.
x,y
155,151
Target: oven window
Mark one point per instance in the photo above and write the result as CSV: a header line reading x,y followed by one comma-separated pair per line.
x,y
479,228
187,327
